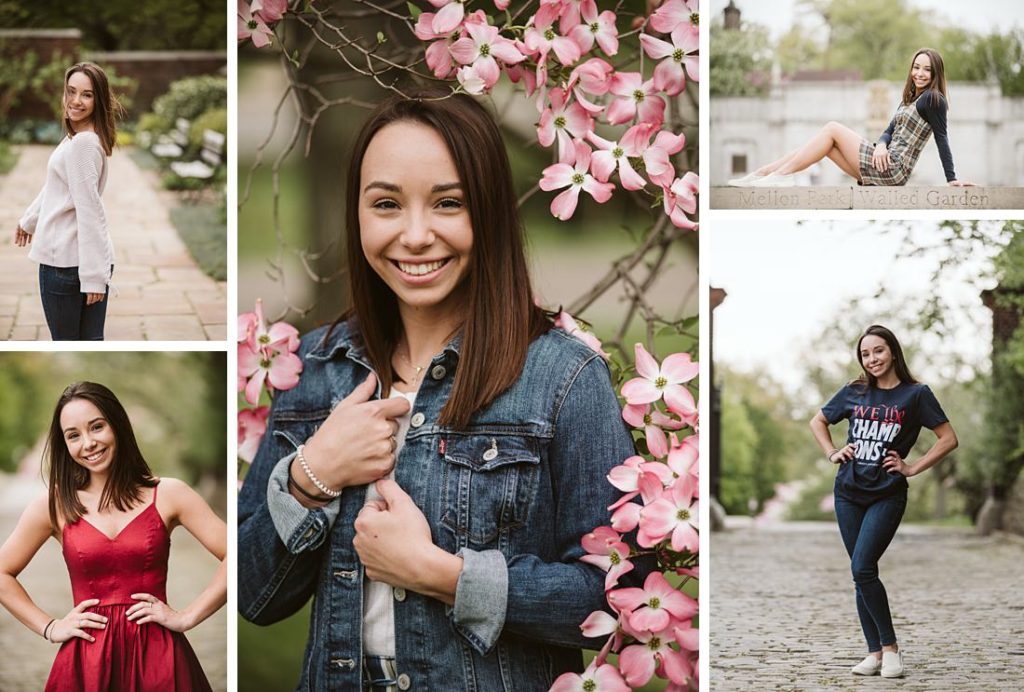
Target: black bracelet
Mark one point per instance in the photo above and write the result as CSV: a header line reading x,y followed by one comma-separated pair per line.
x,y
45,629
322,499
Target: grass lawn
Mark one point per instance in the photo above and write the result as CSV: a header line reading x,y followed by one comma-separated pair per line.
x,y
204,230
270,658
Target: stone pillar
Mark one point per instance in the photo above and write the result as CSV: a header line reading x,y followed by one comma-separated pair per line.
x,y
717,512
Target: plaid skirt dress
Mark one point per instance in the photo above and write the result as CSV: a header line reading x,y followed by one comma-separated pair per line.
x,y
910,134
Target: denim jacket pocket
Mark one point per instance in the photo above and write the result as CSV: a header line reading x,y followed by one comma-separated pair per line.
x,y
293,428
489,482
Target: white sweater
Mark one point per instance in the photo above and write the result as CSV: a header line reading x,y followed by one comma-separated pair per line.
x,y
67,220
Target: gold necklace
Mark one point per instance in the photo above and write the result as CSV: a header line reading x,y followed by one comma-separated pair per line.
x,y
418,368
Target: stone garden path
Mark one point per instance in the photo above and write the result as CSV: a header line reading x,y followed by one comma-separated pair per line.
x,y
783,617
161,293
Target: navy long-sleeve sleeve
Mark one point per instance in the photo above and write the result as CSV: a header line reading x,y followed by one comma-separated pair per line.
x,y
886,137
932,107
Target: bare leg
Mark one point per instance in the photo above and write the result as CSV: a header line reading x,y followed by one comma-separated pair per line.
x,y
832,135
776,164
850,169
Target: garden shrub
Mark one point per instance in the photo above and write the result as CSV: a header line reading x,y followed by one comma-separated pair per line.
x,y
191,97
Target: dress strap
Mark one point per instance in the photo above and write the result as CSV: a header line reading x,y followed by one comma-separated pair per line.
x,y
155,488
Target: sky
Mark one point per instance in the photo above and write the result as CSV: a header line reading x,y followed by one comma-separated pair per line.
x,y
980,15
789,281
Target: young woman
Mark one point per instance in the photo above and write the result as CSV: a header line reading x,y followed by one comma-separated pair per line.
x,y
66,225
891,160
113,519
431,476
886,408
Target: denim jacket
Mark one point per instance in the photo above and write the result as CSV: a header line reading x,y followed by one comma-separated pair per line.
x,y
512,493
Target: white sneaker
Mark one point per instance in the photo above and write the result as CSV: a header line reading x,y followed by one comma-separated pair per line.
x,y
892,664
775,180
744,180
869,666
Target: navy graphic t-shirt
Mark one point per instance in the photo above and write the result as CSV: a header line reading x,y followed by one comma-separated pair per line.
x,y
880,420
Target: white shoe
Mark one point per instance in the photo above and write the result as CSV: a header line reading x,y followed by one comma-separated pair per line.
x,y
775,180
869,666
745,180
892,664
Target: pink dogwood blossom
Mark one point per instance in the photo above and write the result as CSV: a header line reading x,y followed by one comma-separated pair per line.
x,y
652,653
576,177
251,25
596,27
596,678
541,38
656,155
654,607
450,14
681,199
654,423
564,120
676,14
252,425
637,99
266,355
482,48
665,380
676,514
669,75
606,550
615,155
270,11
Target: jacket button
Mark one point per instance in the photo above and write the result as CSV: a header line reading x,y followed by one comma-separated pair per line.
x,y
438,372
346,663
399,594
417,419
404,682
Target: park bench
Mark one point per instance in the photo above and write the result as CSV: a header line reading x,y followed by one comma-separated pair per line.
x,y
209,158
172,145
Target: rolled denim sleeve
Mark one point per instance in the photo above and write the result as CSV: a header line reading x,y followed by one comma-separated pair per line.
x,y
480,597
300,528
547,600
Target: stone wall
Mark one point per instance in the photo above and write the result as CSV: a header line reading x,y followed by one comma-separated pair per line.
x,y
867,197
152,70
986,130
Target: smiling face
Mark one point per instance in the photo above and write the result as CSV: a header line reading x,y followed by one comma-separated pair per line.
x,y
414,225
79,100
921,72
88,436
875,356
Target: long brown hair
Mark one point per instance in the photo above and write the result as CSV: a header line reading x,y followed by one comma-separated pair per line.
x,y
501,318
106,107
936,86
128,471
899,362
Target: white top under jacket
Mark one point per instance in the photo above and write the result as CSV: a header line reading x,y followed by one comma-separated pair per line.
x,y
67,220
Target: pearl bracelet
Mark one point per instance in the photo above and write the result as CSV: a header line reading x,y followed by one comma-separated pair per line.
x,y
312,477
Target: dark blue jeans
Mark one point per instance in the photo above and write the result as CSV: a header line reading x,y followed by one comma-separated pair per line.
x,y
867,527
67,315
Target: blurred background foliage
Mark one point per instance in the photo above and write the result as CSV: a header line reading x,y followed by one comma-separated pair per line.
x,y
875,37
768,452
113,25
175,401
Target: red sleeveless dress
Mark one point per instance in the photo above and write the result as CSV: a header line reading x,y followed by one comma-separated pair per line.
x,y
125,656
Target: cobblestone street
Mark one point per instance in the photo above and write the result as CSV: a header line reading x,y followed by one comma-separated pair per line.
x,y
27,658
783,615
160,292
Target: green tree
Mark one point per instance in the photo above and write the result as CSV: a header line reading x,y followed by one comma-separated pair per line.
x,y
740,63
800,48
127,24
878,37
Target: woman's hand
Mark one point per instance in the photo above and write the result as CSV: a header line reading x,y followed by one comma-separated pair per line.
x,y
893,463
91,298
152,609
843,454
961,183
880,159
356,444
394,544
22,237
76,622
